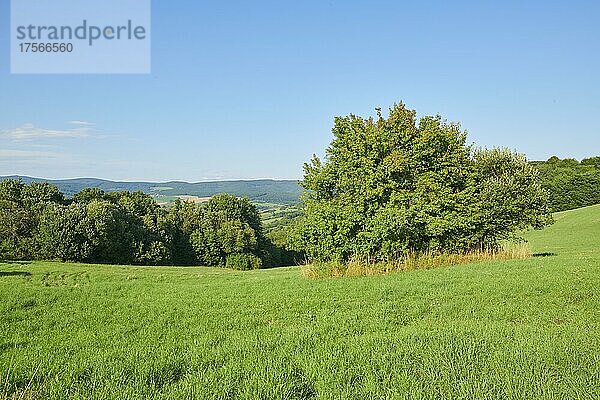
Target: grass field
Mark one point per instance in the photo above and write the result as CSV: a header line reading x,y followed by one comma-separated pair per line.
x,y
495,330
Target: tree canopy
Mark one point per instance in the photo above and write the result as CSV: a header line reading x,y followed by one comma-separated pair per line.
x,y
570,183
38,222
394,185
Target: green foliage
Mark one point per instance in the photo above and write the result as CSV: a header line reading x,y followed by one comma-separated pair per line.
x,y
280,246
227,207
15,223
279,222
571,184
126,228
114,232
66,233
37,222
20,209
205,243
393,186
510,196
228,226
243,261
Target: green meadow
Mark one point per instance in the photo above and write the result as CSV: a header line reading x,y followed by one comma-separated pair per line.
x,y
491,330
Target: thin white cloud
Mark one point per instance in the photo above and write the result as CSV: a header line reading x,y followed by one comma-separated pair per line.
x,y
27,132
81,123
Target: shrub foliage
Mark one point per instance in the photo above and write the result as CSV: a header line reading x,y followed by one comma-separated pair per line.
x,y
570,183
38,222
392,186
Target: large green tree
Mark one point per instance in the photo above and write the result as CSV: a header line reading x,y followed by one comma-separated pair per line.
x,y
394,185
20,209
66,233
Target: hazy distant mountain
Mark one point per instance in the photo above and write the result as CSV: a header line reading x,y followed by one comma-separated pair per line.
x,y
264,190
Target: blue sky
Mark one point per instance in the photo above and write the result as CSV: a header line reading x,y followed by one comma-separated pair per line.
x,y
250,89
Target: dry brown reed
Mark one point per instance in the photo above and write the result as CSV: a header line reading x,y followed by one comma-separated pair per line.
x,y
414,261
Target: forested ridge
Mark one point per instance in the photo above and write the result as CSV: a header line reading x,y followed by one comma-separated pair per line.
x,y
259,190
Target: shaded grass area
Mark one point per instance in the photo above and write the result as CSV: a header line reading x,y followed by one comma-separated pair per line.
x,y
513,329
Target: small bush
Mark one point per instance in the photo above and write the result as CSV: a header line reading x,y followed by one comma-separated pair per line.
x,y
243,262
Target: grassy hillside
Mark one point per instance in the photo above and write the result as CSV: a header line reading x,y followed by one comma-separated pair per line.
x,y
265,190
574,232
501,330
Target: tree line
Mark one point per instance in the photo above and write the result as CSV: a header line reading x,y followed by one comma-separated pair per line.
x,y
37,222
570,183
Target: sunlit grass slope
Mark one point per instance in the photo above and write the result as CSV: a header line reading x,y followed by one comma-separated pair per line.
x,y
575,232
495,330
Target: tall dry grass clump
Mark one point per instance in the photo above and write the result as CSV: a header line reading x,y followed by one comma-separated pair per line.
x,y
414,261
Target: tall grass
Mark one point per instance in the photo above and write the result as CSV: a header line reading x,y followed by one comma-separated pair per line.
x,y
414,261
10,391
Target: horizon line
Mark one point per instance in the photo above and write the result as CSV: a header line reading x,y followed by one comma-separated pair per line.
x,y
153,181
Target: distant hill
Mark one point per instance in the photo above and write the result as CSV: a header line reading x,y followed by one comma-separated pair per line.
x,y
263,190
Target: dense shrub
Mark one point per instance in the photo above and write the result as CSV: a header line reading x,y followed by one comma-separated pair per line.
x,y
280,246
227,225
571,184
37,222
21,207
394,186
243,261
66,233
